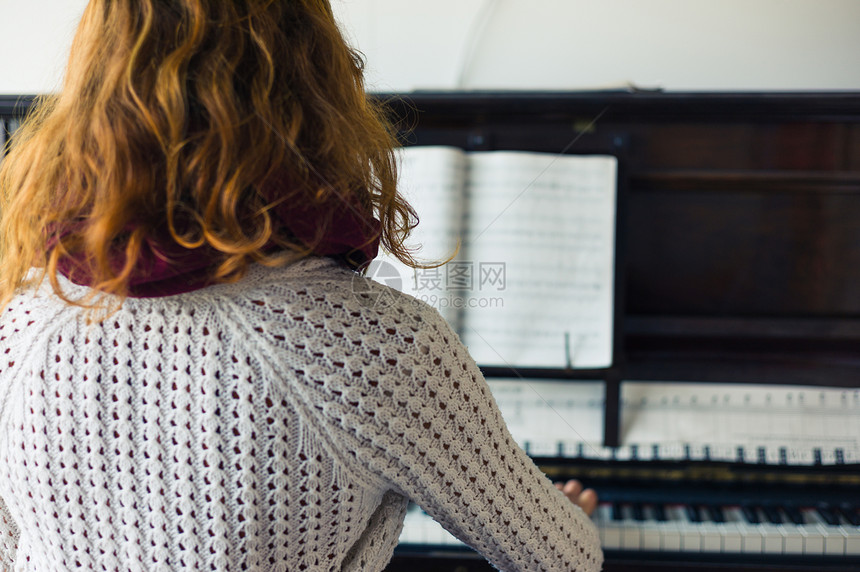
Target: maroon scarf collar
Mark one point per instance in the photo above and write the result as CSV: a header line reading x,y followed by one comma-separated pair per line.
x,y
337,228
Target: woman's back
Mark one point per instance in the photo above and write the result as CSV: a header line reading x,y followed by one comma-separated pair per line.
x,y
279,423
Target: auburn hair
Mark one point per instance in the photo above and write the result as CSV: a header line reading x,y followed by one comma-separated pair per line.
x,y
180,110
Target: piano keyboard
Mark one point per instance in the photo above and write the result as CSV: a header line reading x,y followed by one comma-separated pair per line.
x,y
824,531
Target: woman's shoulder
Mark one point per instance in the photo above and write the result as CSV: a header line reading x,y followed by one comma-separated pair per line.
x,y
316,299
333,299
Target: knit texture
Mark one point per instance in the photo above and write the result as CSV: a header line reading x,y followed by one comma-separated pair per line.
x,y
279,423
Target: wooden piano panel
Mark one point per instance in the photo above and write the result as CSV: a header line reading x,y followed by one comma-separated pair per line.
x,y
742,251
743,146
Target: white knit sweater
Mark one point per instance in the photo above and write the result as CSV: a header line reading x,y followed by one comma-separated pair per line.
x,y
280,423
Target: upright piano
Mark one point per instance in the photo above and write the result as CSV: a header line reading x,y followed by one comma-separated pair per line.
x,y
737,311
737,325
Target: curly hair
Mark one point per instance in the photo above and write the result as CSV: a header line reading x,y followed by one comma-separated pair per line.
x,y
173,114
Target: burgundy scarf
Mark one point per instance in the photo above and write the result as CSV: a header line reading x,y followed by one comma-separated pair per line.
x,y
166,268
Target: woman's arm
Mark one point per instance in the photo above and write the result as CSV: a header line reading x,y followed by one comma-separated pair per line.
x,y
422,417
8,538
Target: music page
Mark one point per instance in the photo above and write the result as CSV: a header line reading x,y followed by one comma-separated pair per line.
x,y
540,240
432,180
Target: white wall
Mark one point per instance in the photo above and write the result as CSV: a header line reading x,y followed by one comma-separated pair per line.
x,y
535,44
34,42
575,44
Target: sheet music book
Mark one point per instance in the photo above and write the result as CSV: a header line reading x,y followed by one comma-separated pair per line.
x,y
532,283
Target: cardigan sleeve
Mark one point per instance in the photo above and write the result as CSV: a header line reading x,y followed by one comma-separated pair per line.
x,y
8,538
422,417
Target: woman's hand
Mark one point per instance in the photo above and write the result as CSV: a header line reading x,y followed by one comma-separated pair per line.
x,y
585,499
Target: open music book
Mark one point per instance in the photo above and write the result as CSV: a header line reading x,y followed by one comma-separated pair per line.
x,y
532,282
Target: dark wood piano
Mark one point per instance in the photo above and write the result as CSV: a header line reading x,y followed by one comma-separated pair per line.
x,y
738,262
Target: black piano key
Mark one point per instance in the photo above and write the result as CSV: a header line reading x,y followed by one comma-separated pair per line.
x,y
707,452
634,452
751,514
693,513
655,451
817,454
687,452
850,513
716,514
772,514
617,512
828,514
793,514
660,513
740,454
762,456
783,456
638,512
840,456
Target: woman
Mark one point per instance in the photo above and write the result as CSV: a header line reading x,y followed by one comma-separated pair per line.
x,y
190,377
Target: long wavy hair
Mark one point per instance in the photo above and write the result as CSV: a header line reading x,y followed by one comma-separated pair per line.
x,y
180,110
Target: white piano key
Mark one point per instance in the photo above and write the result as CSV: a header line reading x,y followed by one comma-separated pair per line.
x,y
658,535
813,541
670,536
834,539
740,537
631,531
691,540
792,538
711,537
732,538
772,540
609,530
752,541
852,540
834,543
652,538
631,536
709,533
851,533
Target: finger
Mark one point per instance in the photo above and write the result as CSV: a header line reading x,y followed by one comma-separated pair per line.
x,y
587,501
572,489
